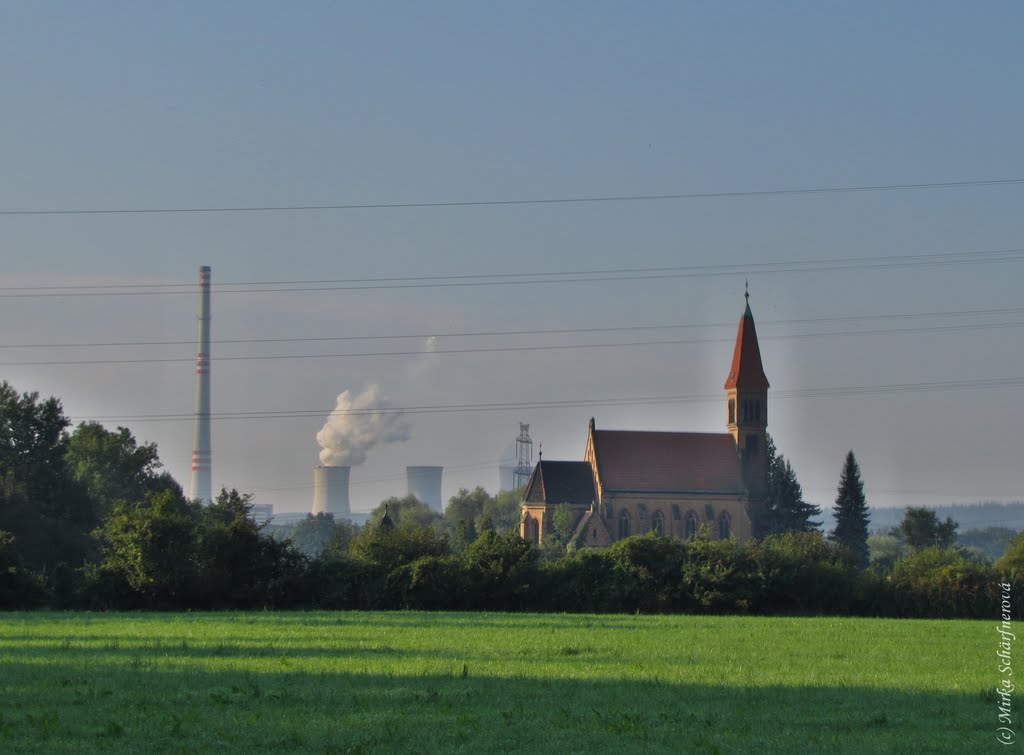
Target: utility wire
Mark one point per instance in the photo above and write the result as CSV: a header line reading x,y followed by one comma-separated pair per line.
x,y
785,395
510,279
526,201
502,333
502,349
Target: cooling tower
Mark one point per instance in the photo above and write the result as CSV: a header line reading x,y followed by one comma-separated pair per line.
x,y
202,463
330,490
425,484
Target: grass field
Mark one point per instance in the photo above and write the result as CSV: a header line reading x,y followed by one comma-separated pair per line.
x,y
435,682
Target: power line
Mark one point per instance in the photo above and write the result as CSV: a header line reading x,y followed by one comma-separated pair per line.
x,y
791,394
526,201
502,333
516,279
503,349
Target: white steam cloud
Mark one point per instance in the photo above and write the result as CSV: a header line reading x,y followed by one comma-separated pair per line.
x,y
357,424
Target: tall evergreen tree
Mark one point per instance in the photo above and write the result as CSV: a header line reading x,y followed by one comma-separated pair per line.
x,y
785,510
851,512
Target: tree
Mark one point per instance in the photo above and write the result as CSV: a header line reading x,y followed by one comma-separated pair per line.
x,y
49,517
406,512
785,510
921,529
467,506
112,468
313,534
32,448
851,512
152,549
562,525
501,568
503,510
392,548
1011,563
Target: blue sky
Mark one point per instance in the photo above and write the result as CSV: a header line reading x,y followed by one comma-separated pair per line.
x,y
129,105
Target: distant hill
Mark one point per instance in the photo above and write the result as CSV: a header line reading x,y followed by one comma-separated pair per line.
x,y
970,516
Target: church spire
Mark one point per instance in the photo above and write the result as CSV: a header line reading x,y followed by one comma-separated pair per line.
x,y
747,372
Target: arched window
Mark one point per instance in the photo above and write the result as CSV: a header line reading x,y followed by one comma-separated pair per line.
x,y
732,411
623,524
724,526
658,523
642,510
691,525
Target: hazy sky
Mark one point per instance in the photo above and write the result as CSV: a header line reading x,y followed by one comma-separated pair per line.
x,y
118,106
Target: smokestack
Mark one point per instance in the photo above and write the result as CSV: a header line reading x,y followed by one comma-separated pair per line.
x,y
425,484
202,462
330,491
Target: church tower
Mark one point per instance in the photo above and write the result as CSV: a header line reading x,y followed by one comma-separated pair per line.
x,y
746,393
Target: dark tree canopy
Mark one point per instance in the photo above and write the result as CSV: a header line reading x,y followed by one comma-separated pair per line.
x,y
113,468
785,510
851,512
921,529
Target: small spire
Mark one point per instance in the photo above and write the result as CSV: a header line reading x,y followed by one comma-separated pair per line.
x,y
386,522
746,290
540,451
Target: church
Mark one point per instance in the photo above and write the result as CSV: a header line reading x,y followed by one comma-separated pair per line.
x,y
631,482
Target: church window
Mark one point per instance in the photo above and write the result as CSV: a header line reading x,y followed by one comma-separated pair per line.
x,y
676,513
658,523
724,526
691,524
642,510
623,524
732,411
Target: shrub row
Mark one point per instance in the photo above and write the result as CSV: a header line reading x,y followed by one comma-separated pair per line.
x,y
414,568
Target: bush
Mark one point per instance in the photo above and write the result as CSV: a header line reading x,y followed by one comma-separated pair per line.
x,y
943,583
718,576
501,571
645,573
802,572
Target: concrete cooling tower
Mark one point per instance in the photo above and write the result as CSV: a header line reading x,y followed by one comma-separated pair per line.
x,y
425,484
330,491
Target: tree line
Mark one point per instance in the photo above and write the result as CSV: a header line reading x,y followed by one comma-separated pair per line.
x,y
88,520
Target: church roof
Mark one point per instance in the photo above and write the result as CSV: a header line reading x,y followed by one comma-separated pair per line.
x,y
561,482
635,461
747,371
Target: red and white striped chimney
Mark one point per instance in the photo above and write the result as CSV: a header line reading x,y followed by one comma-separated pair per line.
x,y
202,463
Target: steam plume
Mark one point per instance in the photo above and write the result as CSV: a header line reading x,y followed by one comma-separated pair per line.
x,y
357,424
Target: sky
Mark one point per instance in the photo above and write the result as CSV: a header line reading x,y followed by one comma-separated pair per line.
x,y
890,319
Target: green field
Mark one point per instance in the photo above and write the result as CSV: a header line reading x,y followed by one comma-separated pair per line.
x,y
441,682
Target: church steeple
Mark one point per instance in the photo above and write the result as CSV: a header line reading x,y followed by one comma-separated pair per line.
x,y
746,371
746,392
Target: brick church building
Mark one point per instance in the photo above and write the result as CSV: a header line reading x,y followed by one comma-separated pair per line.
x,y
632,482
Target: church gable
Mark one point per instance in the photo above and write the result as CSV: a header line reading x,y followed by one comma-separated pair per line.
x,y
590,532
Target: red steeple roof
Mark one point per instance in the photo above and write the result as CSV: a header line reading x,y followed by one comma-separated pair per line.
x,y
746,371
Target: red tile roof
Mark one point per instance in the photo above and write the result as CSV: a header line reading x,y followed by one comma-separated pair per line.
x,y
747,371
664,462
